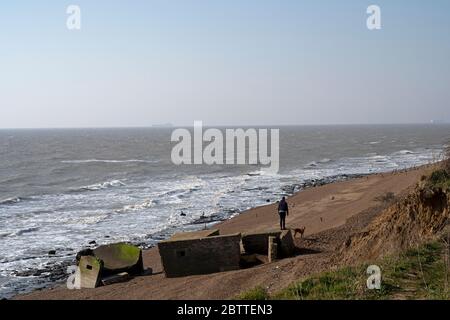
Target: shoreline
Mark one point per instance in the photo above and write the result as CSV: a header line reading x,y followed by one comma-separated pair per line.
x,y
54,275
262,218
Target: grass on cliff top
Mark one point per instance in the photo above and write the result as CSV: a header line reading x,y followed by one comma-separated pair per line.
x,y
439,178
420,273
258,293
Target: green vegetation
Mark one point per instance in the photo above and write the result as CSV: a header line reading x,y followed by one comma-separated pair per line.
x,y
348,283
258,293
127,252
446,162
420,273
439,178
344,283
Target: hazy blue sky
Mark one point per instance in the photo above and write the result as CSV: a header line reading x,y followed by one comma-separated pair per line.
x,y
137,63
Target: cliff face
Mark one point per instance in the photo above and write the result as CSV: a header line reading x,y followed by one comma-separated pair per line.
x,y
417,217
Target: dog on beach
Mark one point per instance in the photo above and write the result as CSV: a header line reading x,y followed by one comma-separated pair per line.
x,y
300,231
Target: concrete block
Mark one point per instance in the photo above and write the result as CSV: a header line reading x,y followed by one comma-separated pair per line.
x,y
200,256
258,242
90,271
120,257
272,249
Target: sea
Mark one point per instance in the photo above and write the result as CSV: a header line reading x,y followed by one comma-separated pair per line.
x,y
63,190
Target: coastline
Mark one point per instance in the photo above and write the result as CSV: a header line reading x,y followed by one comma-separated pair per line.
x,y
54,275
320,208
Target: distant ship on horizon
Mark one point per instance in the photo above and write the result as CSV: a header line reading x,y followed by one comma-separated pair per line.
x,y
438,121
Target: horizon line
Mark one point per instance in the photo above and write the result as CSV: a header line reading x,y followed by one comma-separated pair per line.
x,y
168,126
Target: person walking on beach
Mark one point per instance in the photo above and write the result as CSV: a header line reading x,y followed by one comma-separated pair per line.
x,y
283,211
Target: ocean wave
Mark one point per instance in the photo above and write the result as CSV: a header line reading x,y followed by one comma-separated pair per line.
x,y
311,164
23,231
180,193
108,161
404,152
136,207
95,218
5,234
10,201
103,185
379,158
314,164
263,171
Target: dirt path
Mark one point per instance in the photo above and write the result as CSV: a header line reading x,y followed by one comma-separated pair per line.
x,y
330,213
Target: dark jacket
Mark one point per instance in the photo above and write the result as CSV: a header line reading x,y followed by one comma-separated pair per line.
x,y
283,206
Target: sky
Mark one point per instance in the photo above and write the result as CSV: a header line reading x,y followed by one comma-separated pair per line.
x,y
247,62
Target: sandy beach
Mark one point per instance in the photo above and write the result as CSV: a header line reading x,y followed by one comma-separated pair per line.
x,y
330,214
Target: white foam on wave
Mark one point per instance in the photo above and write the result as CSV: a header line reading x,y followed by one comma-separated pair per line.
x,y
137,207
370,163
23,231
311,164
380,159
321,162
263,171
404,152
103,185
8,201
92,218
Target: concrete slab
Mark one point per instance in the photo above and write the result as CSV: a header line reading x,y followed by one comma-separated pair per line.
x,y
194,235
